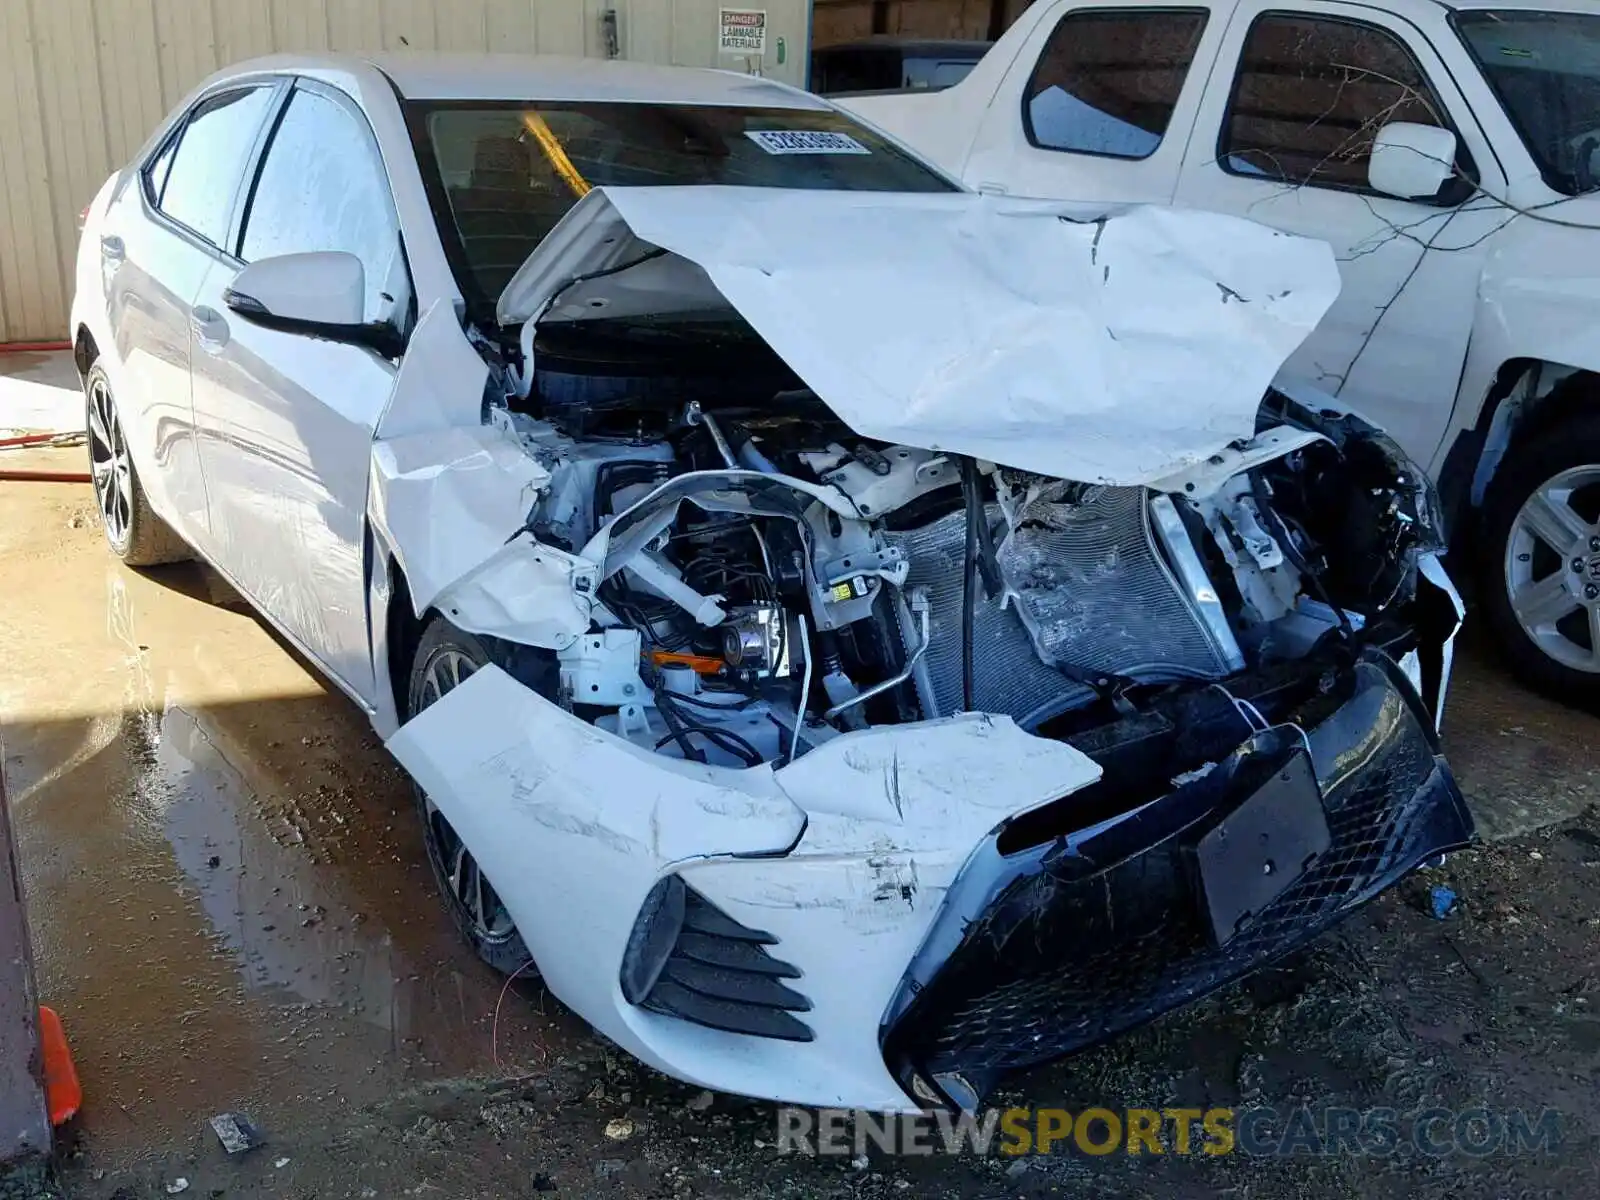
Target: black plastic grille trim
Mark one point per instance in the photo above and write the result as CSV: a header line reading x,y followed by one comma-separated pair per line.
x,y
1061,959
720,974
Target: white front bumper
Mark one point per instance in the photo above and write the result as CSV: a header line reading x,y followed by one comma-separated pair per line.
x,y
844,856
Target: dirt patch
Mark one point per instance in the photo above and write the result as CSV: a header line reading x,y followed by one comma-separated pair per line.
x,y
232,913
1489,1008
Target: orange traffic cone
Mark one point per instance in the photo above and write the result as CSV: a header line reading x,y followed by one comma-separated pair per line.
x,y
63,1094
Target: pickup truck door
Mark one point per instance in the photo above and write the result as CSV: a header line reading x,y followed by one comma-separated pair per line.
x,y
1098,104
1283,137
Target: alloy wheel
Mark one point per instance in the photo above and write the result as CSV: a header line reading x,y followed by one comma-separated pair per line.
x,y
1552,568
109,464
444,671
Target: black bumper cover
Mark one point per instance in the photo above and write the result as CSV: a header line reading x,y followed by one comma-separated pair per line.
x,y
1056,948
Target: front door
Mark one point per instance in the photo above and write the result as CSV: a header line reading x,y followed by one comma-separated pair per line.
x,y
287,420
1284,138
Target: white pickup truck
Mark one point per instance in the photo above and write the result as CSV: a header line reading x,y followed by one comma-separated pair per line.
x,y
1450,154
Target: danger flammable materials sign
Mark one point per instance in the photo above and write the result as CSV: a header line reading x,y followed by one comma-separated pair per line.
x,y
742,30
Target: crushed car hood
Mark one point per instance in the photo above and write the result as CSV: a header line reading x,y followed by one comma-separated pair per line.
x,y
1103,347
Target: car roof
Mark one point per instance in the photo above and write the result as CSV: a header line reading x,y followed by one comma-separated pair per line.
x,y
1520,6
449,76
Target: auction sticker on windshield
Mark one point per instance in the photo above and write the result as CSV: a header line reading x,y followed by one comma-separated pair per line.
x,y
805,141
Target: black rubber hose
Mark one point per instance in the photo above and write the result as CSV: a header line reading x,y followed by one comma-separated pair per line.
x,y
677,732
969,586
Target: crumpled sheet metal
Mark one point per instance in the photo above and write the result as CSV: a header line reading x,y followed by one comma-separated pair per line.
x,y
1115,350
450,499
441,380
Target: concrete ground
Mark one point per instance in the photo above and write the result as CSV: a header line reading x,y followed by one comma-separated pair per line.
x,y
232,912
39,393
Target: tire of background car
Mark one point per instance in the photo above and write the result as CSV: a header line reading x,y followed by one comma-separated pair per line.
x,y
1540,561
135,533
446,656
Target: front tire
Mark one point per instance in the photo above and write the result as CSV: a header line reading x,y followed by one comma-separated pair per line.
x,y
134,532
1541,562
445,657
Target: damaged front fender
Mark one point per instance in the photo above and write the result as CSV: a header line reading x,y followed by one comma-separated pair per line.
x,y
449,496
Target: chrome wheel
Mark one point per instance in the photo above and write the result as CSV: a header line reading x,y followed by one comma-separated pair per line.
x,y
444,670
109,464
1552,568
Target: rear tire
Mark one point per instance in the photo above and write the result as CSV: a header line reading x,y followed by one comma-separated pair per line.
x,y
134,532
1540,562
446,656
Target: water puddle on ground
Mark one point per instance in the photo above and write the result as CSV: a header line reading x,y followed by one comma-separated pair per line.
x,y
229,901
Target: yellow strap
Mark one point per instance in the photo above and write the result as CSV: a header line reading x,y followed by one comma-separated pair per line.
x,y
551,145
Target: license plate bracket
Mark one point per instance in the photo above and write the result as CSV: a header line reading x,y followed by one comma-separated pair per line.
x,y
1251,856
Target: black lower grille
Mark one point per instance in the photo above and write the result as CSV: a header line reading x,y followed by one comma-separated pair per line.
x,y
1064,946
689,959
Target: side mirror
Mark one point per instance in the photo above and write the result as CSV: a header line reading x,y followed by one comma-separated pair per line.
x,y
321,294
1412,162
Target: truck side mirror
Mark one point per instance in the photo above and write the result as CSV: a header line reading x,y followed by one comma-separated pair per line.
x,y
1412,162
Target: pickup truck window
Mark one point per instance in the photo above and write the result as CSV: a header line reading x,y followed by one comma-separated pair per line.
x,y
1311,94
1108,79
1545,69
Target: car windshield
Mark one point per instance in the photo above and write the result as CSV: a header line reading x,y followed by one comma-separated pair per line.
x,y
505,173
1545,69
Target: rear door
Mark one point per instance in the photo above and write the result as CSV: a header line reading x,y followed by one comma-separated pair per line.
x,y
1098,105
156,245
287,420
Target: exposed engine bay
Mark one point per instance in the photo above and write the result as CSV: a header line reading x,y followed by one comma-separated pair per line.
x,y
898,676
771,580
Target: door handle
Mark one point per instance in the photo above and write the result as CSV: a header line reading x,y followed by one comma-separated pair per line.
x,y
111,248
210,328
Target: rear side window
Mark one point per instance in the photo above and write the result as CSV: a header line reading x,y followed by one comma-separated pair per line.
x,y
322,187
1311,95
206,170
155,172
1108,80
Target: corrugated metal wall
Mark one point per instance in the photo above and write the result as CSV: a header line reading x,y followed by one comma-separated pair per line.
x,y
83,82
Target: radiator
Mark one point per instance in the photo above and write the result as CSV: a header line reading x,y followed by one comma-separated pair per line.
x,y
1092,591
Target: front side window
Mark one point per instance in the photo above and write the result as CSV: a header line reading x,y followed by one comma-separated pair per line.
x,y
505,173
1544,68
203,179
1108,80
1311,95
322,187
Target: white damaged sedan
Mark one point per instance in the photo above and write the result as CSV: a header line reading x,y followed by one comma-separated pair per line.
x,y
851,636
